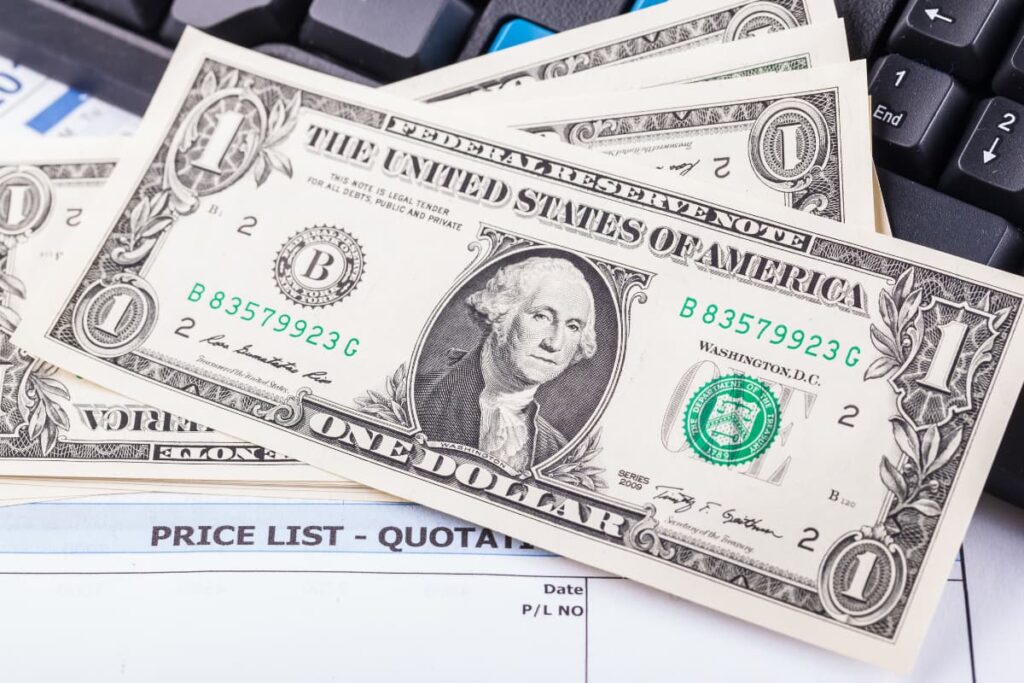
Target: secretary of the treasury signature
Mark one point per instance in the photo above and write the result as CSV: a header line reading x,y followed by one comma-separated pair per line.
x,y
684,502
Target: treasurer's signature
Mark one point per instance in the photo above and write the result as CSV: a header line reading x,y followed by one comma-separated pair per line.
x,y
683,167
220,341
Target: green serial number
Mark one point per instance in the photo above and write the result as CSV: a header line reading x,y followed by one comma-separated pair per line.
x,y
775,333
270,318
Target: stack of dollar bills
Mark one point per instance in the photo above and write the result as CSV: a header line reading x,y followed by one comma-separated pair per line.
x,y
626,293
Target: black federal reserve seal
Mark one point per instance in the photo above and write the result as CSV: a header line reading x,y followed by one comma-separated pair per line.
x,y
319,266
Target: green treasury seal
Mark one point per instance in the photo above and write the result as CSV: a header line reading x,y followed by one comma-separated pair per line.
x,y
731,420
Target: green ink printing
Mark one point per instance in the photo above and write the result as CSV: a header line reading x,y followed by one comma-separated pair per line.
x,y
731,420
283,323
794,339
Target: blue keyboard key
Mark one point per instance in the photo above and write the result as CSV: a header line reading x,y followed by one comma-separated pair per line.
x,y
57,111
643,4
517,31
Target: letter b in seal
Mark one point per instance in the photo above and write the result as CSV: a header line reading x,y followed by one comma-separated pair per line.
x,y
319,263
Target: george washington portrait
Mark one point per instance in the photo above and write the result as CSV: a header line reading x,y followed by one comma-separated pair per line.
x,y
525,373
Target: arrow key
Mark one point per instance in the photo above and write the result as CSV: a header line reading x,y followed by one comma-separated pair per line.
x,y
988,167
1009,78
963,37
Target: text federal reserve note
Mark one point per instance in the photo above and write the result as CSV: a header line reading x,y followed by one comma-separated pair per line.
x,y
51,422
725,399
798,138
675,26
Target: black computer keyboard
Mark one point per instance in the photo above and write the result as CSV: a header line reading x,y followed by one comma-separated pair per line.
x,y
947,83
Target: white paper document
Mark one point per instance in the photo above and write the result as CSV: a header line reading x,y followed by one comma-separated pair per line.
x,y
166,589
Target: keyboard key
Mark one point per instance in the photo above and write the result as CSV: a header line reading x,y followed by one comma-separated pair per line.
x,y
932,219
916,116
555,15
1009,78
644,4
84,51
290,53
866,23
1006,479
516,32
988,167
391,39
964,37
246,22
142,15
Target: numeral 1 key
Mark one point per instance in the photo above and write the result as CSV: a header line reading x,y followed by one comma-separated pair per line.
x,y
916,113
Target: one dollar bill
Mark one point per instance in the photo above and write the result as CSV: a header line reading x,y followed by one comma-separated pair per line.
x,y
53,423
675,26
799,138
780,52
725,399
